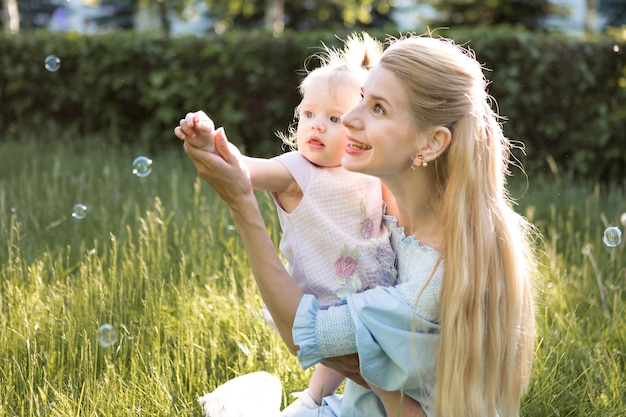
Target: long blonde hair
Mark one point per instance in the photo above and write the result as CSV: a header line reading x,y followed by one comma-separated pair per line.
x,y
349,65
487,324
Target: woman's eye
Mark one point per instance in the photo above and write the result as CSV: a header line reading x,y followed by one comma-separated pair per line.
x,y
335,119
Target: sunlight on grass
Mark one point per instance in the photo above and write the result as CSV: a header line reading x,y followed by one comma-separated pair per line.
x,y
158,259
580,361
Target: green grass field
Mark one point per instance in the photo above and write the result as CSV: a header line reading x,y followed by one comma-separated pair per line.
x,y
158,259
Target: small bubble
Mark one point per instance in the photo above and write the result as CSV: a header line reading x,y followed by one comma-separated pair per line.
x,y
612,237
622,219
142,166
79,211
53,63
616,49
107,336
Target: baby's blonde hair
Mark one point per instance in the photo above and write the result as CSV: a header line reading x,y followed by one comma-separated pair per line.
x,y
487,331
348,66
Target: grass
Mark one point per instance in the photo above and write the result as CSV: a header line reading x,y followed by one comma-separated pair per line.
x,y
580,363
158,259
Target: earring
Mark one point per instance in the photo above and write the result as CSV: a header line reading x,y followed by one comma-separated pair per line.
x,y
419,156
424,163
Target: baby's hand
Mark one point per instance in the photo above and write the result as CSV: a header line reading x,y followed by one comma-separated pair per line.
x,y
198,130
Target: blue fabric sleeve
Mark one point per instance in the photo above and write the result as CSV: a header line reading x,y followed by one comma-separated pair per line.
x,y
303,332
322,333
394,344
397,349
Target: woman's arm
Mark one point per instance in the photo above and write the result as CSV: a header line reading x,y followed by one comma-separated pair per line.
x,y
230,180
396,403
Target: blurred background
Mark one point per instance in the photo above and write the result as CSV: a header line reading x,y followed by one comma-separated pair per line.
x,y
180,17
128,69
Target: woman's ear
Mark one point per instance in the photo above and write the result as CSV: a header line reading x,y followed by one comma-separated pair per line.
x,y
437,143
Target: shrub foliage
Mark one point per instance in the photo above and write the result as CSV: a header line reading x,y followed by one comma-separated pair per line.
x,y
563,97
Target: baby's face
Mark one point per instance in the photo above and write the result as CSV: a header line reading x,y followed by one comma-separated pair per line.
x,y
322,137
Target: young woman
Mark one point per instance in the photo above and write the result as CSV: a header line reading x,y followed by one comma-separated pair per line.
x,y
455,335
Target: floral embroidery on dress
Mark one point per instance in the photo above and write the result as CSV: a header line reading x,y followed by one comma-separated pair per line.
x,y
366,226
346,274
387,274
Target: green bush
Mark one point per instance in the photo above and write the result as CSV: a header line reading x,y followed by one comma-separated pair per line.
x,y
563,97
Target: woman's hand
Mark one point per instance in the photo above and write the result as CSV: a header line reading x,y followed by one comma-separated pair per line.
x,y
348,366
396,403
223,170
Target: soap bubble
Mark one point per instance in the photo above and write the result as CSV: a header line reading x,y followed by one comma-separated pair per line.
x,y
612,237
107,336
142,166
79,211
53,63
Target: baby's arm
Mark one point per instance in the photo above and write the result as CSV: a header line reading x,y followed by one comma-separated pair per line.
x,y
198,130
268,174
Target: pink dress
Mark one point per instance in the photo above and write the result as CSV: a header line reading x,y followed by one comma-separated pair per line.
x,y
335,241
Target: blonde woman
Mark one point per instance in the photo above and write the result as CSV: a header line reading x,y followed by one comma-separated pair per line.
x,y
455,336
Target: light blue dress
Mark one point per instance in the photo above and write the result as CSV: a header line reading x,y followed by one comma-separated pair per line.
x,y
395,331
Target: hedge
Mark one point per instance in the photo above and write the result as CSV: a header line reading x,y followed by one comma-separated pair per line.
x,y
564,97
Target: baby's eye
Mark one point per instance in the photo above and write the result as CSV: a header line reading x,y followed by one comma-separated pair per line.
x,y
307,114
335,119
378,109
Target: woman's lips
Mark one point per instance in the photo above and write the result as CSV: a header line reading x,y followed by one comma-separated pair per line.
x,y
356,145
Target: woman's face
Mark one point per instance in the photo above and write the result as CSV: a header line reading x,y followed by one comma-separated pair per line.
x,y
382,133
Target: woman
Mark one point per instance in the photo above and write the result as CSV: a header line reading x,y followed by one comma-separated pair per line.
x,y
455,336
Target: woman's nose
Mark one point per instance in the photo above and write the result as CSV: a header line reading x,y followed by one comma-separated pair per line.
x,y
350,120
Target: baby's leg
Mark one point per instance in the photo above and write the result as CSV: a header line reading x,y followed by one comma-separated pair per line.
x,y
324,381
